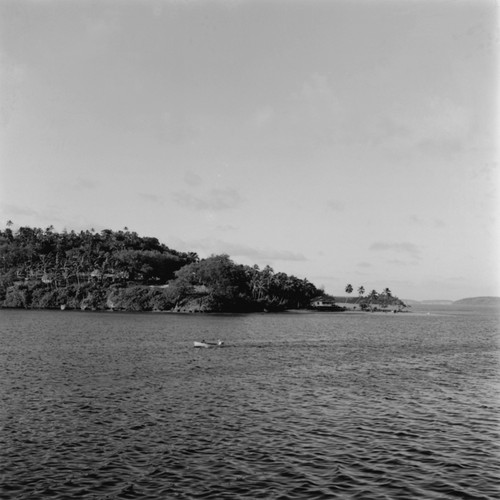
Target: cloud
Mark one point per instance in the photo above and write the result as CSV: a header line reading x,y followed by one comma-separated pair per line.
x,y
400,248
335,206
101,29
14,210
192,179
444,120
261,254
178,128
215,199
14,77
151,198
418,221
226,228
399,262
263,116
23,215
433,125
319,95
364,264
85,184
317,112
216,246
286,255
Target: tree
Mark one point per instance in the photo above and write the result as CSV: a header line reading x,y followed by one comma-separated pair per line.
x,y
372,297
348,290
43,268
222,283
361,292
385,297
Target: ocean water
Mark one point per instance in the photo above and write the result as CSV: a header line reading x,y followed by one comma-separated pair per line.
x,y
295,406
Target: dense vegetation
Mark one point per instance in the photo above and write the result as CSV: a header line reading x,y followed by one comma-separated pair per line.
x,y
121,270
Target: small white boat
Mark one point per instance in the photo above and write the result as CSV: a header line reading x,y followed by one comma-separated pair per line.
x,y
219,343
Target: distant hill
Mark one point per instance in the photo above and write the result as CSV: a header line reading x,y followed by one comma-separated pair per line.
x,y
437,302
470,301
428,302
478,301
411,302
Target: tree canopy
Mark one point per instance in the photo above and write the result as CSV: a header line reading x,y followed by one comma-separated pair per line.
x,y
40,268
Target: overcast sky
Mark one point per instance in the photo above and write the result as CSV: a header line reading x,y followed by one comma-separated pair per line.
x,y
343,141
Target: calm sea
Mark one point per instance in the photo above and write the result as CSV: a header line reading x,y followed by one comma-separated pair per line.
x,y
296,406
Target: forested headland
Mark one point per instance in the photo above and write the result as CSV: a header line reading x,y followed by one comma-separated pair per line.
x,y
120,270
373,301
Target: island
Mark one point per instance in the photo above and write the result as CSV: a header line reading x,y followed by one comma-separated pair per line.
x,y
122,271
478,301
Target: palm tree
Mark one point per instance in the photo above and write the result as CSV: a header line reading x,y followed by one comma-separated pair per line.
x,y
372,296
8,231
361,292
348,290
385,297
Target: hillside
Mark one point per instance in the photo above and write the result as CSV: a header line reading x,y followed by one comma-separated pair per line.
x,y
120,270
478,301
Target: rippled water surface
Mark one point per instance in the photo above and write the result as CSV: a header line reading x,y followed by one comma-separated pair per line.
x,y
296,406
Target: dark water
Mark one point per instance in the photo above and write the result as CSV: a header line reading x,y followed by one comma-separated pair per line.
x,y
297,406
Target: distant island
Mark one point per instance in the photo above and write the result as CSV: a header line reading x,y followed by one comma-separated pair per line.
x,y
437,302
470,301
122,271
478,301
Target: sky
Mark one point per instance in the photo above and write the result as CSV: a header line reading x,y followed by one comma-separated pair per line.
x,y
347,141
